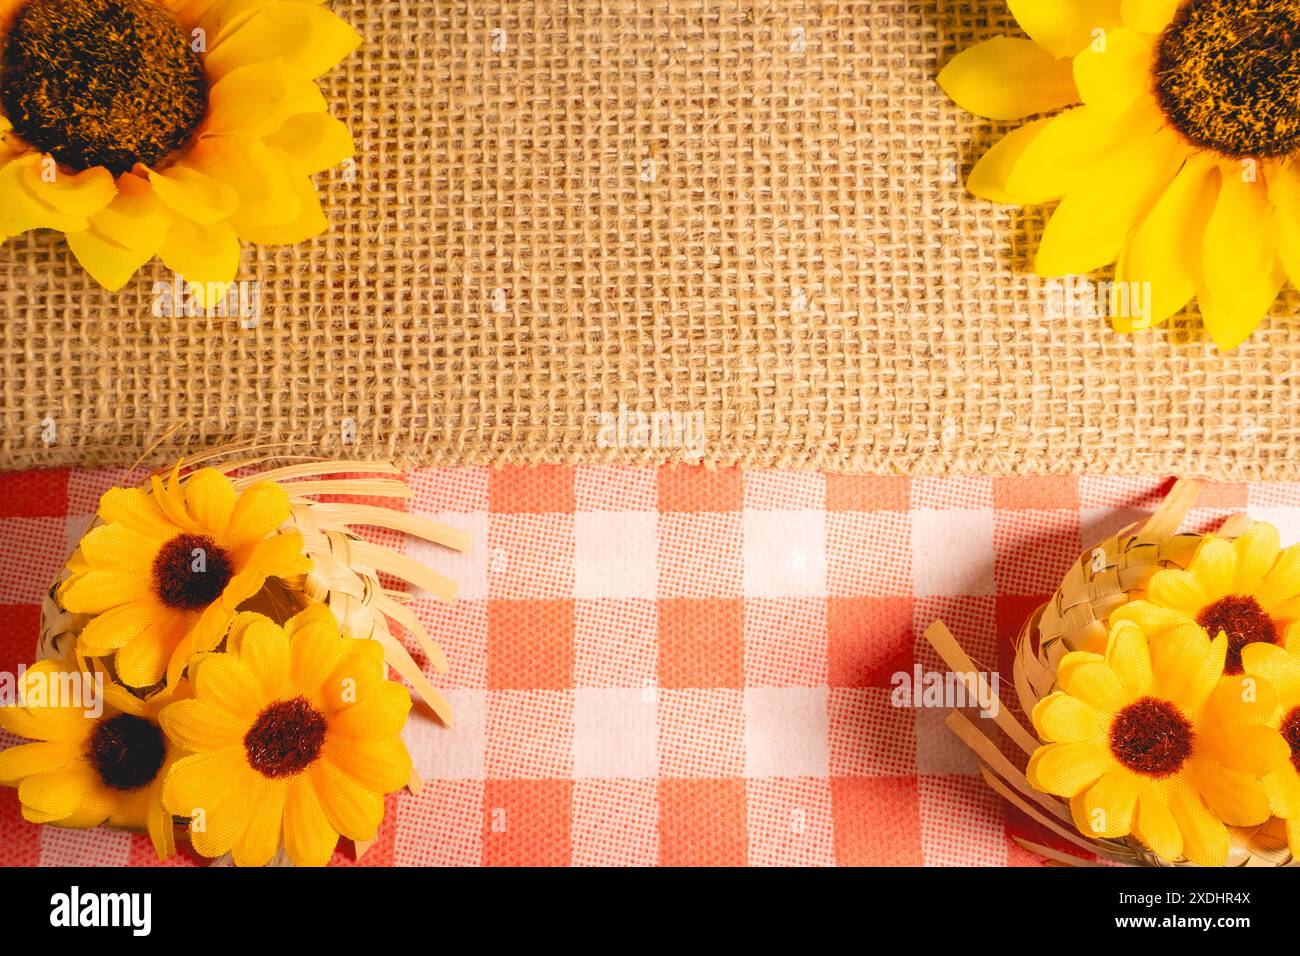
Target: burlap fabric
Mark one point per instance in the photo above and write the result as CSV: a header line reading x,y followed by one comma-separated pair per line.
x,y
745,217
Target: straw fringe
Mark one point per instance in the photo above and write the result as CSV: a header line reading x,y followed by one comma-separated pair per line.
x,y
1115,571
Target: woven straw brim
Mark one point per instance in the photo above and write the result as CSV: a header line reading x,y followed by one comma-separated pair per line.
x,y
746,214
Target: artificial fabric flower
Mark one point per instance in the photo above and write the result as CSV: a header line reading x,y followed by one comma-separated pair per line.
x,y
1248,589
1280,666
1179,166
1151,740
168,568
86,768
296,739
173,128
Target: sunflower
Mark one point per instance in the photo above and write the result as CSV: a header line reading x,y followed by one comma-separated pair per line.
x,y
1280,666
89,768
173,128
296,738
167,570
1177,164
1247,589
1154,742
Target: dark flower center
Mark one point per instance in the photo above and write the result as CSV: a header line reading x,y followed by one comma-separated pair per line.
x,y
126,751
1151,737
1243,620
1228,75
190,572
101,82
286,738
1291,734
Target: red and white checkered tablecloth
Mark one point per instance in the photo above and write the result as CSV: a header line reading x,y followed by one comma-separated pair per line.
x,y
680,666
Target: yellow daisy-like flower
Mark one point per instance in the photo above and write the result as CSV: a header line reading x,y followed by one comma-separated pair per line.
x,y
1154,742
170,128
1280,666
167,570
296,738
1174,157
1247,589
89,768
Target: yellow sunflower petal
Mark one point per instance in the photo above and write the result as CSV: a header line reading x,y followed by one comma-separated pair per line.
x,y
136,509
197,725
1156,827
142,661
1242,276
381,714
277,556
194,195
116,627
1129,656
316,141
1008,78
309,39
1177,589
254,171
1108,806
1280,668
1064,27
310,221
260,510
1257,550
1066,769
162,828
46,723
108,263
1205,838
1111,76
80,195
383,766
308,837
1283,180
1152,619
262,837
136,219
1215,567
27,759
1283,789
96,591
22,210
1089,227
118,547
352,810
1164,250
1091,679
1255,751
1186,666
315,647
1282,582
1235,798
225,682
1060,718
210,498
264,650
202,780
207,256
56,794
255,100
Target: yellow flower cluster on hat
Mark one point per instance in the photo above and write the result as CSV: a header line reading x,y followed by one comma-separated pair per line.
x,y
1189,722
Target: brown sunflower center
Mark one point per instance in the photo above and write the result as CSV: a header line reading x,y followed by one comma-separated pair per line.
x,y
286,738
1290,729
1243,620
101,82
190,572
1151,737
126,751
1228,75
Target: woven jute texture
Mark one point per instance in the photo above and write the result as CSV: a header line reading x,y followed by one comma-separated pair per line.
x,y
742,216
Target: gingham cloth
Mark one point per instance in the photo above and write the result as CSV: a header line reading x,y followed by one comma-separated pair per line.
x,y
681,666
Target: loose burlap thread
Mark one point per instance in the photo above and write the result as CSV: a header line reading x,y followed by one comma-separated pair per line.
x,y
743,217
